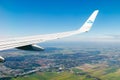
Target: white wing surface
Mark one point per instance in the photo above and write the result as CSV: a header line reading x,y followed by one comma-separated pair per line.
x,y
31,40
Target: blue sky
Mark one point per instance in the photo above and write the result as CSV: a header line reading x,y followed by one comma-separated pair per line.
x,y
33,17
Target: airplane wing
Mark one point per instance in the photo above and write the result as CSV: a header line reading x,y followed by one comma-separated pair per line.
x,y
28,42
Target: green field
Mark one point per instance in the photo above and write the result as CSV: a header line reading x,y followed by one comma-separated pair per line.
x,y
85,72
53,76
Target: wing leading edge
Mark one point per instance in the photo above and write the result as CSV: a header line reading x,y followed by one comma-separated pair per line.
x,y
31,40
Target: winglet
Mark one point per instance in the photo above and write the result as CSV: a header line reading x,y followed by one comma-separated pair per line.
x,y
88,24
